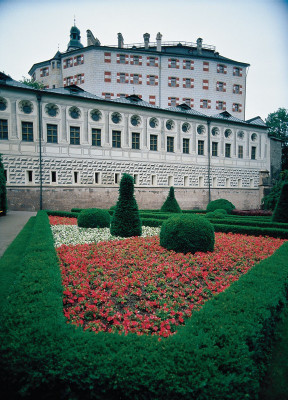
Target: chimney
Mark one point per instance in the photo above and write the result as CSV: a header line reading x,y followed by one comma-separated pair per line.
x,y
199,45
158,39
120,41
146,37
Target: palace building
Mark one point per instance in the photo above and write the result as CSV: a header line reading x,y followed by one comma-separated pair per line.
x,y
65,147
165,74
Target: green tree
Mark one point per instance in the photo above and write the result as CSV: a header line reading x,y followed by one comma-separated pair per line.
x,y
270,200
3,192
171,204
32,83
281,210
277,123
126,220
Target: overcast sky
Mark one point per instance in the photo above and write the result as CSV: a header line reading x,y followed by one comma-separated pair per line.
x,y
251,31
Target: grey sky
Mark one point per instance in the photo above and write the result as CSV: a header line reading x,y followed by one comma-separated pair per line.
x,y
251,31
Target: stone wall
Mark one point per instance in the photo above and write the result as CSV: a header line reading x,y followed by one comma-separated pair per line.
x,y
63,198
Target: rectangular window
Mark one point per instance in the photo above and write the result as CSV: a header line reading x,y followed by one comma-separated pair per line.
x,y
122,59
173,82
96,137
205,103
52,133
152,61
135,79
240,151
74,135
152,80
78,60
136,179
227,150
188,101
170,144
173,63
153,180
53,177
173,101
76,176
107,96
153,142
221,68
29,175
27,131
186,146
187,83
201,147
122,77
96,177
135,140
236,71
214,149
3,129
236,89
116,178
136,60
188,64
253,153
116,139
220,86
220,105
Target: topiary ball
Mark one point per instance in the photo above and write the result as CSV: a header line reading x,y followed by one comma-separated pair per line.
x,y
187,234
93,218
220,203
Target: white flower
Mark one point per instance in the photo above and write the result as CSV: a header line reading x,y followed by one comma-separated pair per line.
x,y
72,234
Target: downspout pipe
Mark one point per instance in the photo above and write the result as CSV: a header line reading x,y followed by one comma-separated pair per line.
x,y
209,161
39,96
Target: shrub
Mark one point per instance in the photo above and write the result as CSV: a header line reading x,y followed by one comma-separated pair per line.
x,y
187,233
171,204
219,213
126,220
3,193
281,211
222,204
270,200
93,218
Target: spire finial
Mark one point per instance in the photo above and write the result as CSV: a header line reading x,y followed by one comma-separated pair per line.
x,y
74,21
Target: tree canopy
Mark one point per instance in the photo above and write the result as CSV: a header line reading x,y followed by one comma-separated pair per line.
x,y
32,83
277,123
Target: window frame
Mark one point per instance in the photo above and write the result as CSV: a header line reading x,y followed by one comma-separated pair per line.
x,y
116,139
96,137
3,129
51,129
75,135
135,140
27,136
153,142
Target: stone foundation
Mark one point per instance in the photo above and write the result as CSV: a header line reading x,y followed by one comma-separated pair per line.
x,y
65,198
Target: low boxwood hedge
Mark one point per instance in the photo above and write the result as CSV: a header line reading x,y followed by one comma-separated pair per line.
x,y
220,353
68,214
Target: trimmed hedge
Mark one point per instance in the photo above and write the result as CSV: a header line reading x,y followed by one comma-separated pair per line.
x,y
220,203
93,218
220,353
281,210
187,233
63,213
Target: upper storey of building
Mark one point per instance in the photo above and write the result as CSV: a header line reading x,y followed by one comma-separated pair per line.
x,y
161,73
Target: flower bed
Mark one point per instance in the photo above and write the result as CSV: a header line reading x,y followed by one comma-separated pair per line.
x,y
135,285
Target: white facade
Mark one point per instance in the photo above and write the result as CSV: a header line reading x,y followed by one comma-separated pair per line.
x,y
85,148
163,74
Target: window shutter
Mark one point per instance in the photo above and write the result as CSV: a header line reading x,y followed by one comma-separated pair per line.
x,y
169,63
177,64
240,71
224,86
240,90
75,61
107,57
156,80
177,82
140,60
147,80
126,59
131,59
140,79
205,84
65,82
209,103
205,66
169,81
118,58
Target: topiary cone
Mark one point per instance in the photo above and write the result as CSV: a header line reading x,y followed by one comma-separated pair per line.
x,y
126,220
171,204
